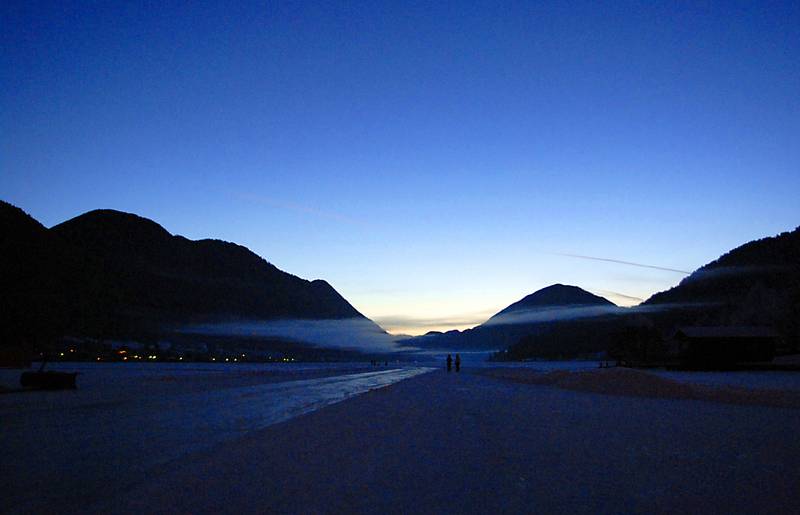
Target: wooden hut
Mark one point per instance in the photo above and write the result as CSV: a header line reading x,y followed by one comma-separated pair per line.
x,y
723,347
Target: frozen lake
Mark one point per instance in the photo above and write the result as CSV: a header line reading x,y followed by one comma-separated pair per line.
x,y
126,419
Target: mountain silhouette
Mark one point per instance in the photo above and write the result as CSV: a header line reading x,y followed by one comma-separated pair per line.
x,y
28,279
755,284
544,311
556,295
163,275
109,274
113,275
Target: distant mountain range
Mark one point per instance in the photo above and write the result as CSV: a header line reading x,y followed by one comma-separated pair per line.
x,y
551,310
112,275
757,284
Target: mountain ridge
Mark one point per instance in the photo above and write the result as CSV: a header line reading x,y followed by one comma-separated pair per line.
x,y
110,274
555,295
754,284
531,314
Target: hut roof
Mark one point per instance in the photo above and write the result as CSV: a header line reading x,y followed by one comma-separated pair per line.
x,y
725,332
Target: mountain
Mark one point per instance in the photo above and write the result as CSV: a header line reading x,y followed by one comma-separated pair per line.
x,y
109,274
158,275
23,242
755,284
26,279
543,312
556,295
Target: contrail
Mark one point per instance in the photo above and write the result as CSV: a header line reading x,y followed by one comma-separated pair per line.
x,y
300,208
619,261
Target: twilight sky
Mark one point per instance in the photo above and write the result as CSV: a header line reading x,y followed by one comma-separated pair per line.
x,y
434,162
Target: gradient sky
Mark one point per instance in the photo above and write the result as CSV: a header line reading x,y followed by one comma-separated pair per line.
x,y
433,161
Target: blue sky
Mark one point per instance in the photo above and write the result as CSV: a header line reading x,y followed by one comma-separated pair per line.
x,y
433,161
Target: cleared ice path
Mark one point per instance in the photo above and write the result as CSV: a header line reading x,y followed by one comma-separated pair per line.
x,y
67,452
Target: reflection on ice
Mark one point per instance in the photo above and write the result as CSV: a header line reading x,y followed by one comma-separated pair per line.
x,y
112,441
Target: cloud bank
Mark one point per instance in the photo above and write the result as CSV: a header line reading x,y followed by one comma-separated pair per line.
x,y
553,314
351,333
547,314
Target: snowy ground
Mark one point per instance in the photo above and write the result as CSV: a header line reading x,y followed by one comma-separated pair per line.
x,y
67,447
435,443
468,443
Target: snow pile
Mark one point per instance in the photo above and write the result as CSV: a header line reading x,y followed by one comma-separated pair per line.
x,y
637,383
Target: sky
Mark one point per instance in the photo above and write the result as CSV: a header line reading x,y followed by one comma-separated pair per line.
x,y
434,162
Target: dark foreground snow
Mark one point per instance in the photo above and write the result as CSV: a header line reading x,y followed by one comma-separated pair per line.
x,y
467,443
63,450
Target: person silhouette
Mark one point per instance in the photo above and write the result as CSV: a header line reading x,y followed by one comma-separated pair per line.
x,y
449,362
458,363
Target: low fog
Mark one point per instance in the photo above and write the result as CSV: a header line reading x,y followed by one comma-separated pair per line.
x,y
350,333
545,314
552,314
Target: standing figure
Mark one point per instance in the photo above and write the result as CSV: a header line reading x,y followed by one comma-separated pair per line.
x,y
449,362
458,363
